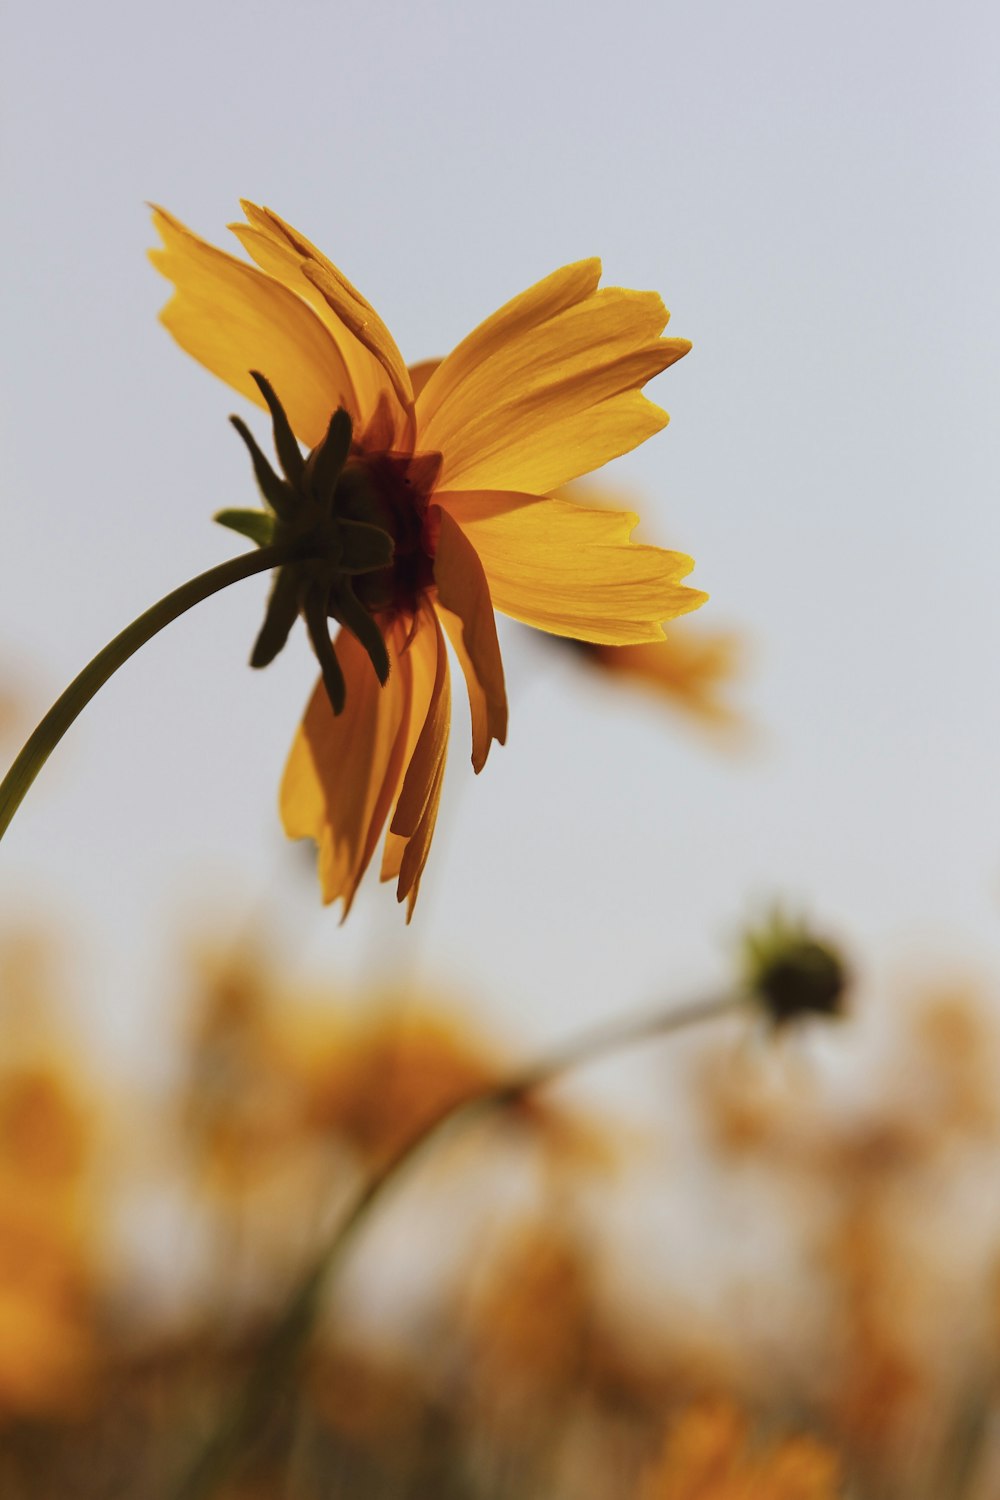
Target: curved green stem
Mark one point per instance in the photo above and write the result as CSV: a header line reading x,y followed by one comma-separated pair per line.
x,y
289,1336
74,700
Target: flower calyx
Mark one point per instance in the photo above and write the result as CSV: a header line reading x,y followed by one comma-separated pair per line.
x,y
302,508
790,973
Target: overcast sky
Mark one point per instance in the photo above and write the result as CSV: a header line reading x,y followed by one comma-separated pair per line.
x,y
813,190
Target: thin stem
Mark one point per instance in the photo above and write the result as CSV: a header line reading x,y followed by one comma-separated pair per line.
x,y
287,1340
74,700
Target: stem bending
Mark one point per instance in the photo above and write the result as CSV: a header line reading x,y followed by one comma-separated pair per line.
x,y
288,1338
95,674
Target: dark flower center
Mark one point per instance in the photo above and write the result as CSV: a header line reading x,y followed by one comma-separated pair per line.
x,y
392,491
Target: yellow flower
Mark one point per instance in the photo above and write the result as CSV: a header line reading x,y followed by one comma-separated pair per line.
x,y
457,461
47,1293
692,670
709,1455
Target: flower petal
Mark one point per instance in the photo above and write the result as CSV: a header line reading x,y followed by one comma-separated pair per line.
x,y
412,826
466,611
571,569
375,358
344,772
420,373
548,388
514,320
233,319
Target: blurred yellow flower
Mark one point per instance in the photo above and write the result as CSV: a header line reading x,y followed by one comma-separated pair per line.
x,y
392,1076
244,1106
46,1316
545,1334
457,462
692,669
709,1455
46,1282
276,1073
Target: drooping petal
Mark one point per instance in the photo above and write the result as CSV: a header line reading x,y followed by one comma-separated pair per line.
x,y
344,772
420,653
233,318
548,388
431,742
571,569
412,826
368,347
466,611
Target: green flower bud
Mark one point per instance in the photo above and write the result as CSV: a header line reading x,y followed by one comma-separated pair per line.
x,y
791,973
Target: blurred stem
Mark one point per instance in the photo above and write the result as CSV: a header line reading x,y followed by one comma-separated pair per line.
x,y
288,1338
74,700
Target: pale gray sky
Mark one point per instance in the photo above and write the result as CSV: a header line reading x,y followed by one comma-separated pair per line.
x,y
811,187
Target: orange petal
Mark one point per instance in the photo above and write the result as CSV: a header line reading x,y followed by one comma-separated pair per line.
x,y
233,319
288,255
548,388
420,373
412,826
541,302
466,611
352,311
344,772
571,569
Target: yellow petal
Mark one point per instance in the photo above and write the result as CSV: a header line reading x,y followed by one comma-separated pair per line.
x,y
233,319
344,771
285,254
352,311
466,611
431,742
420,373
548,388
572,570
544,300
406,857
413,821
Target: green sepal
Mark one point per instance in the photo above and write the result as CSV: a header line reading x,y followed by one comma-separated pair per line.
x,y
352,613
330,458
277,494
289,452
318,626
258,525
367,548
281,614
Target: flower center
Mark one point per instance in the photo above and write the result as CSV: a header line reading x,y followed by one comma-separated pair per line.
x,y
392,491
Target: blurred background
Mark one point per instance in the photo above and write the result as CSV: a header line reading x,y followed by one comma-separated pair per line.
x,y
758,1236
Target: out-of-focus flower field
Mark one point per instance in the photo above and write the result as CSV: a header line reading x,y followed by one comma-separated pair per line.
x,y
782,1282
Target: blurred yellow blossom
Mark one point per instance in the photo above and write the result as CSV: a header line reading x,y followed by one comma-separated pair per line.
x,y
710,1454
47,1292
456,463
543,1331
275,1072
694,670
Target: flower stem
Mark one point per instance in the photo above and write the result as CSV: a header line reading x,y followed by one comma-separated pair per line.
x,y
74,700
285,1344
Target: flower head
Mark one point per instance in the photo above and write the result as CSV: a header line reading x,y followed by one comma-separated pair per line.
x,y
456,463
791,973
